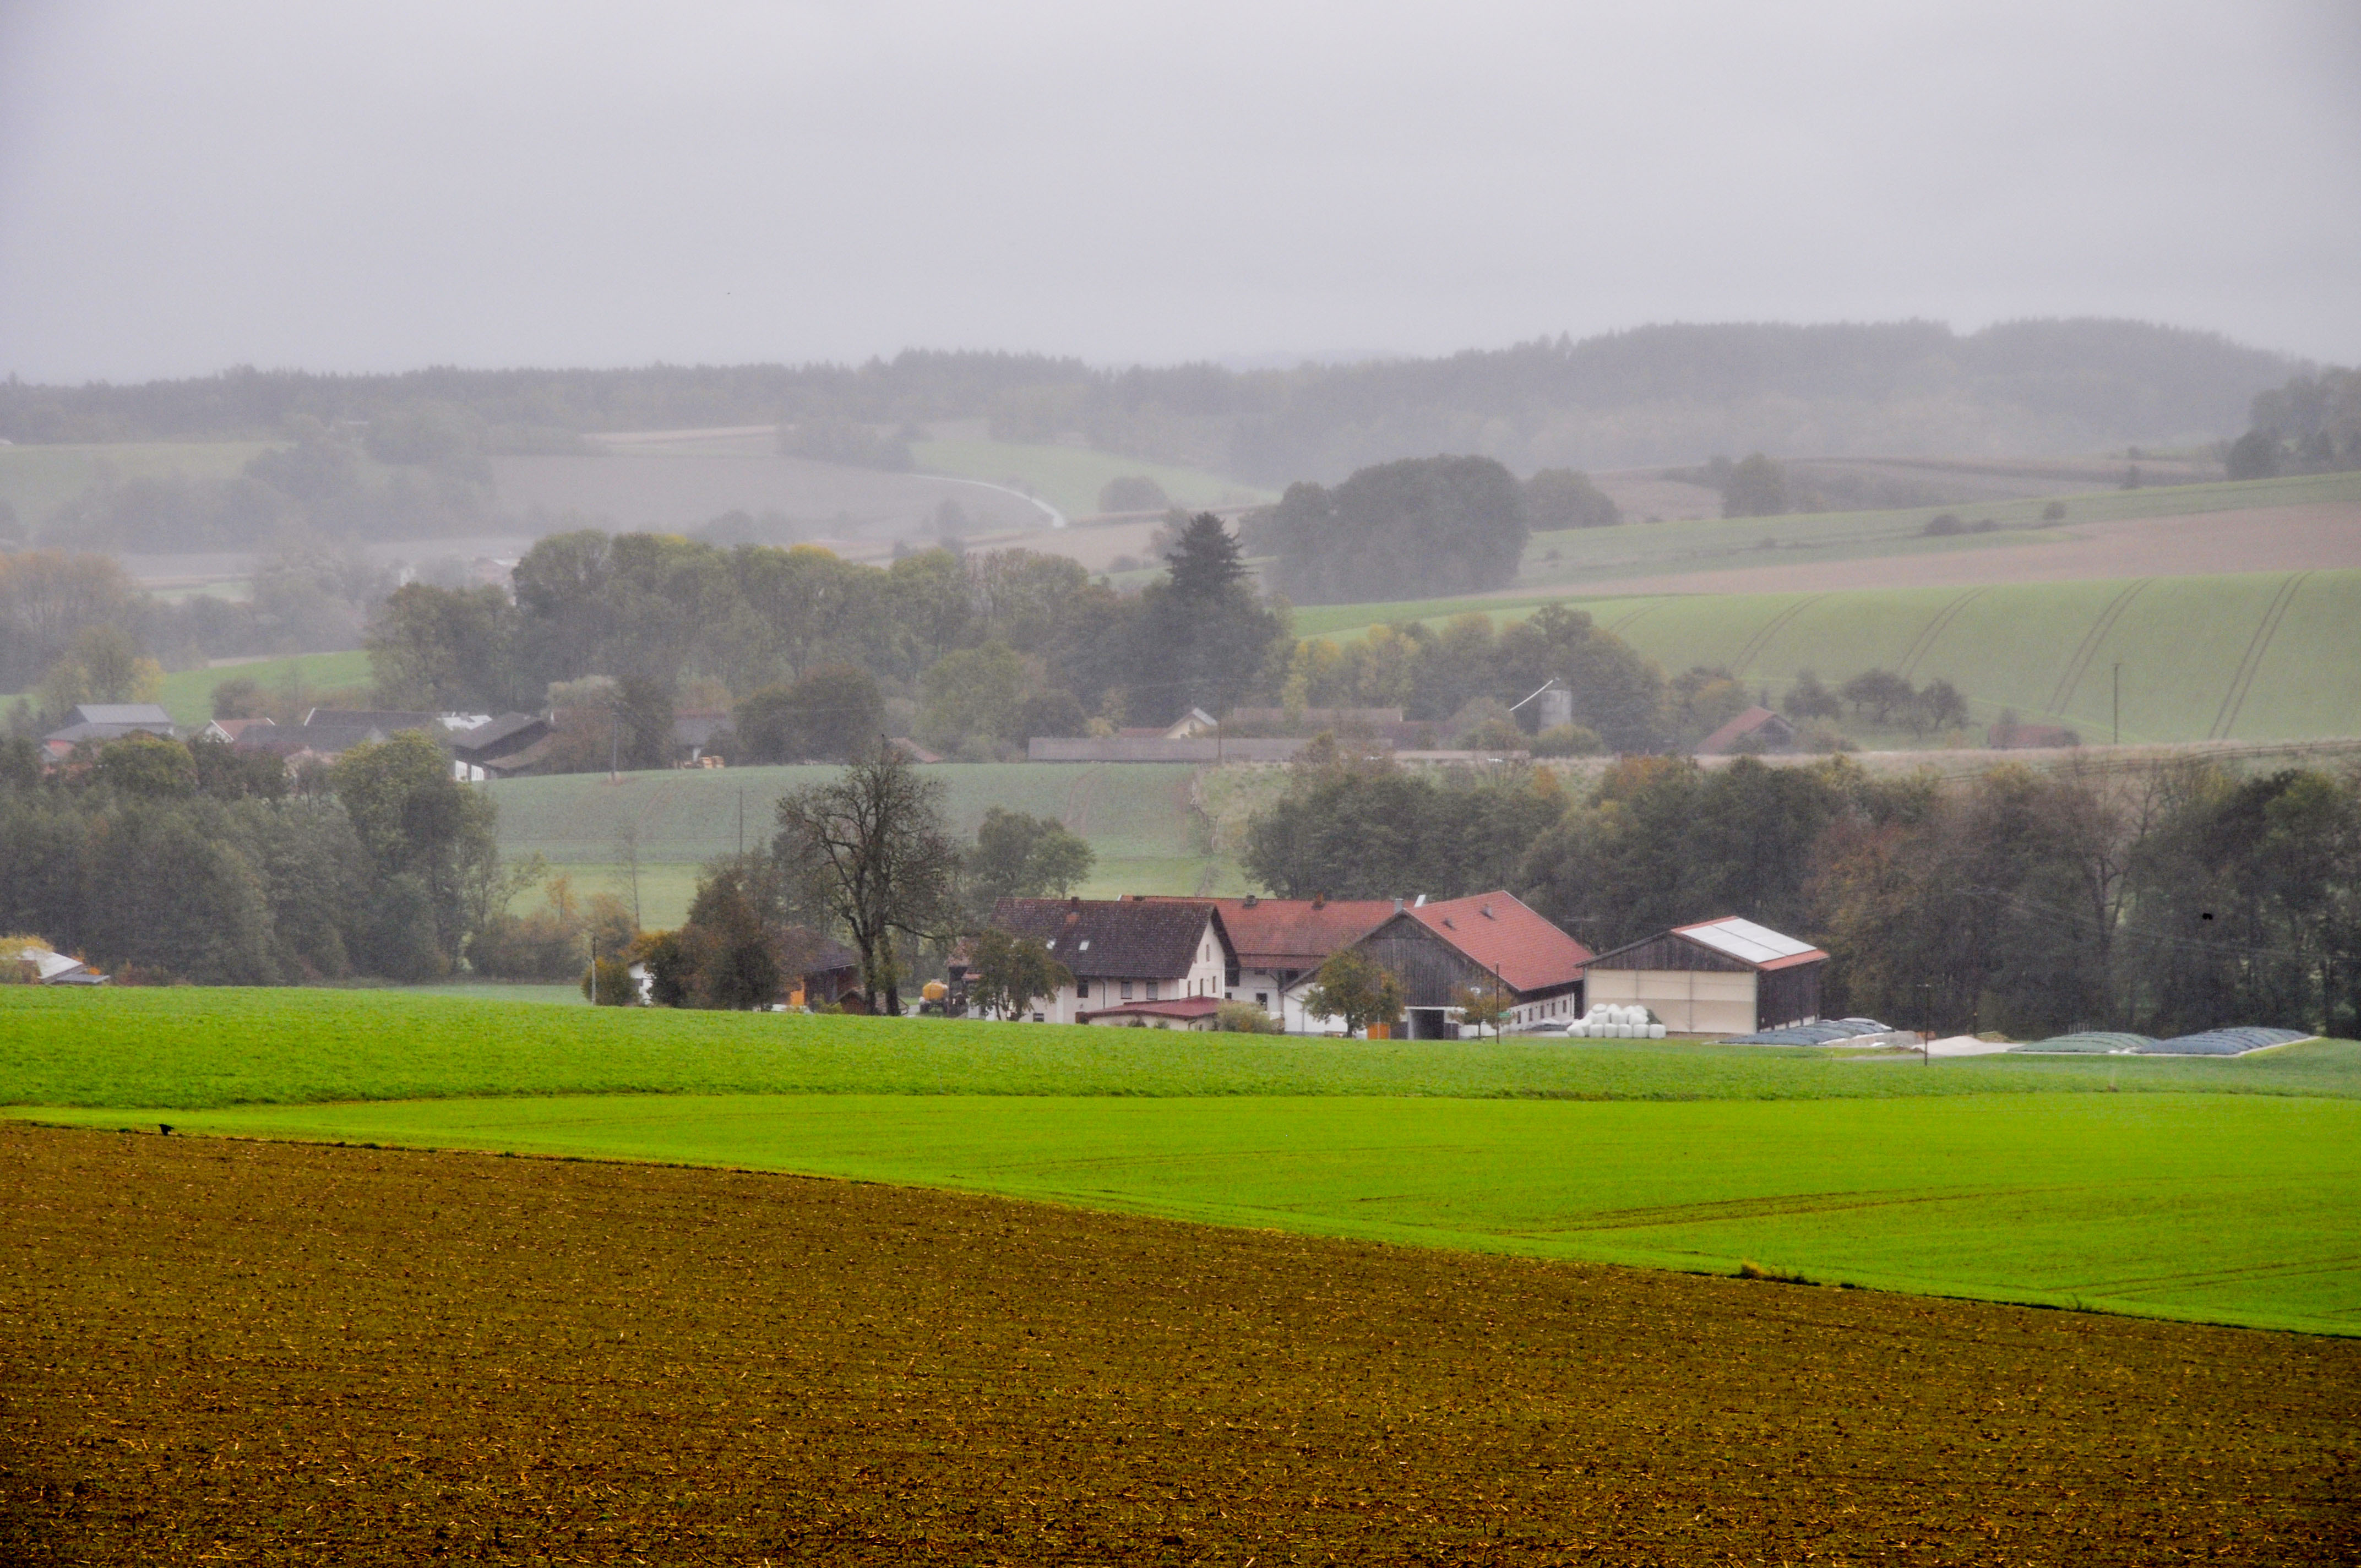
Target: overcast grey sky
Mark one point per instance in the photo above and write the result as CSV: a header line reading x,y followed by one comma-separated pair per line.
x,y
186,186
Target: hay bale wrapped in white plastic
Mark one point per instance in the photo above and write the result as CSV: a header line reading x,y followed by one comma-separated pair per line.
x,y
1656,1031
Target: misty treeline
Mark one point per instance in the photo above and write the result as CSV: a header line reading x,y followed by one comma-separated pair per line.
x,y
2164,900
75,627
1652,395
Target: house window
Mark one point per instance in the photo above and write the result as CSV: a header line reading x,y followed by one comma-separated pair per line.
x,y
1262,1000
1081,990
1151,991
1126,991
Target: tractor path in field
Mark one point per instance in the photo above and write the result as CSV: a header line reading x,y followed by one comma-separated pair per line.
x,y
266,1353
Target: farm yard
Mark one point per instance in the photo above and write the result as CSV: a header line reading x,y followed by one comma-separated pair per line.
x,y
591,1362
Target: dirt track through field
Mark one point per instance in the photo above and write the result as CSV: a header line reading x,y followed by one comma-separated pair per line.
x,y
2266,539
267,1353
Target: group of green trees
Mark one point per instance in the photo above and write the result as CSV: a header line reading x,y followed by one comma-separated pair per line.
x,y
2310,425
195,862
812,653
1883,697
1462,679
2166,900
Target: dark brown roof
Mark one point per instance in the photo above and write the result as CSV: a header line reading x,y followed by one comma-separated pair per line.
x,y
499,737
1294,933
1127,939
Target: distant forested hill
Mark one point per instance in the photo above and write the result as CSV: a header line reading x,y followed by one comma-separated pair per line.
x,y
1653,395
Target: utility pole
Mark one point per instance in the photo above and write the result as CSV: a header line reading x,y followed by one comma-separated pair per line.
x,y
2119,702
614,745
742,822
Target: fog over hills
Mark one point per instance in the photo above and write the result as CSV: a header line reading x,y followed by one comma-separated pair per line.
x,y
1674,393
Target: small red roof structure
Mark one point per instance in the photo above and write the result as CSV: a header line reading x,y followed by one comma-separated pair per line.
x,y
1187,1012
1766,730
1502,935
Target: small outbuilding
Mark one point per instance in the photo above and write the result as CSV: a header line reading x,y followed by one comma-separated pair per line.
x,y
1756,730
1485,942
1717,977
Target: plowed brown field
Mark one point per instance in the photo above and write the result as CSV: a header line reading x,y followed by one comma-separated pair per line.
x,y
216,1351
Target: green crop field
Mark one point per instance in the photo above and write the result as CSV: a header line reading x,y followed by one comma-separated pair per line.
x,y
188,694
1138,818
2262,656
223,1046
2219,1190
1070,477
2233,1208
36,479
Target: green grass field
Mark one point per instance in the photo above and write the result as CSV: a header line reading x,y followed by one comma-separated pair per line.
x,y
38,478
1070,477
1137,817
2231,1209
188,694
2220,1189
2243,656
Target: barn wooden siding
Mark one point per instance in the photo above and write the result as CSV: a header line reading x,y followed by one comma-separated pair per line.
x,y
1787,995
1430,970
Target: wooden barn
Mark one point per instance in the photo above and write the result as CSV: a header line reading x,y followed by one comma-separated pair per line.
x,y
1717,977
1478,942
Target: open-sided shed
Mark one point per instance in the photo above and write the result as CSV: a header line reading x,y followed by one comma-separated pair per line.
x,y
1717,977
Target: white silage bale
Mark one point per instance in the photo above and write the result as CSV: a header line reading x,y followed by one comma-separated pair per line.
x,y
1656,1031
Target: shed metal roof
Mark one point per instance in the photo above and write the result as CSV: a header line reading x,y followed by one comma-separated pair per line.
x,y
1750,943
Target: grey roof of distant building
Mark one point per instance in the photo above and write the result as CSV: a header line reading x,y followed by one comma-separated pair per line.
x,y
138,714
389,719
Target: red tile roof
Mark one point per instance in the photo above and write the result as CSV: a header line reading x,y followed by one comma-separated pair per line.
x,y
1294,933
1499,932
1737,730
1188,1008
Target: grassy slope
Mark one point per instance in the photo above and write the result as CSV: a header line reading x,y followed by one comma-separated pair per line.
x,y
2203,1188
188,694
1070,477
2233,1210
1137,816
37,479
2181,641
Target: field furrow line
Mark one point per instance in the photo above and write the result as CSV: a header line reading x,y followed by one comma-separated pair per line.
x,y
2244,681
2092,639
1935,628
1771,628
1617,629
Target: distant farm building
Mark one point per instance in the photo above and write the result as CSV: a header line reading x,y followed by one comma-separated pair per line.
x,y
1489,940
1755,731
1280,944
1717,977
1130,957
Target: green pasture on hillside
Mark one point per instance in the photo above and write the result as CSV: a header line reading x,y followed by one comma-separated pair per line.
x,y
36,478
1138,818
2211,1188
1070,477
188,694
2231,1209
2259,656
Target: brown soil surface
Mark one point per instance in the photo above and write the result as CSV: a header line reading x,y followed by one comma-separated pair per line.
x,y
258,1353
2266,539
